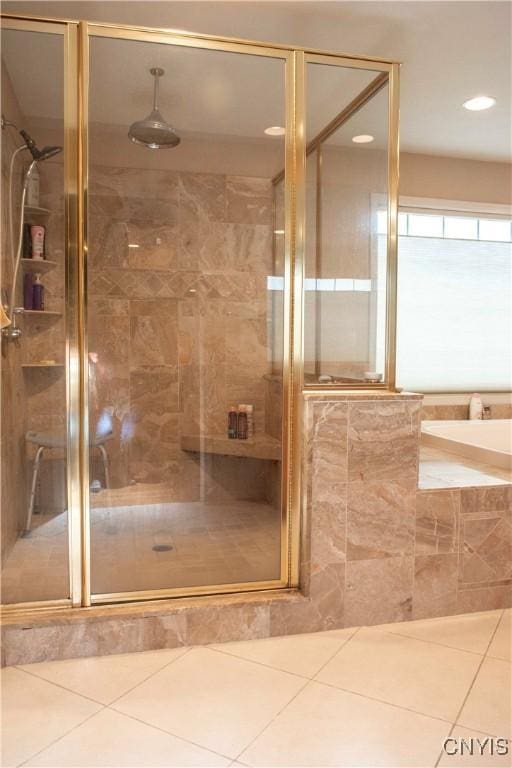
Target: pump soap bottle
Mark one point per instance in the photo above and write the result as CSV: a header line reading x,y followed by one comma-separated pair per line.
x,y
38,294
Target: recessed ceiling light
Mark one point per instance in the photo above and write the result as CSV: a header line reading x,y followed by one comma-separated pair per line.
x,y
275,130
364,138
133,245
278,231
479,102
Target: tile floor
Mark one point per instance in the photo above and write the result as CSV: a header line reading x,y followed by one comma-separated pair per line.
x,y
209,544
379,696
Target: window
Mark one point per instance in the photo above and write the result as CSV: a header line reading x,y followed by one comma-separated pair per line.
x,y
454,307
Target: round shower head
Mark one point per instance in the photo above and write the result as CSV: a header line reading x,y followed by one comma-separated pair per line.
x,y
154,131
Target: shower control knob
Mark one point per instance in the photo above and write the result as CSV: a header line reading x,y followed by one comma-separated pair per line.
x,y
12,333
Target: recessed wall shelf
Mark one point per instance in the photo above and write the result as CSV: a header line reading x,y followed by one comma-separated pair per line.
x,y
38,265
40,313
35,210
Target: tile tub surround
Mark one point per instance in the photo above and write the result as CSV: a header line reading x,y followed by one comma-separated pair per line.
x,y
374,549
452,412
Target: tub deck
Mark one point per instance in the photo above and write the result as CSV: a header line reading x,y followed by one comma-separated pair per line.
x,y
441,469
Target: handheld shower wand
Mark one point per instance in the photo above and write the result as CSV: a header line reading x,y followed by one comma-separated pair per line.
x,y
10,330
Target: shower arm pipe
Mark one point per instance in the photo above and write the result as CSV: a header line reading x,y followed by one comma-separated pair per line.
x,y
11,313
156,94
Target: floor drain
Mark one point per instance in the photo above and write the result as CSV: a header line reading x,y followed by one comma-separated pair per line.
x,y
162,548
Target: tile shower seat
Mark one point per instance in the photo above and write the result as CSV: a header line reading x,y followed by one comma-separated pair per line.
x,y
261,446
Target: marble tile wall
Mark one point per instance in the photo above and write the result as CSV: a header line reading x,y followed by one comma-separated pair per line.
x,y
456,412
374,549
463,550
180,321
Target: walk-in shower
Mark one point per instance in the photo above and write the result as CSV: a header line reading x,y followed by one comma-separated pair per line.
x,y
151,412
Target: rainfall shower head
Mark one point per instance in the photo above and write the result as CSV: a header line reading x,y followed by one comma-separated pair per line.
x,y
39,154
154,131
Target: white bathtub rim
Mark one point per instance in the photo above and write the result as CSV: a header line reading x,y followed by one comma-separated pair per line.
x,y
470,450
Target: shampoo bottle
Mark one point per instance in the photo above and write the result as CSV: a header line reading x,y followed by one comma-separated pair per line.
x,y
242,422
232,422
250,420
476,407
37,233
38,294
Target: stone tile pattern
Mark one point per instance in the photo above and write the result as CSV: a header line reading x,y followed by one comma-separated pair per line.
x,y
374,549
463,550
178,324
364,467
457,412
177,332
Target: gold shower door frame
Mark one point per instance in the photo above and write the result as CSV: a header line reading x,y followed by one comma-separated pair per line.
x,y
76,71
68,30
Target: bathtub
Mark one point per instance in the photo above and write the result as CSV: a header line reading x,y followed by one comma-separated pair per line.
x,y
488,441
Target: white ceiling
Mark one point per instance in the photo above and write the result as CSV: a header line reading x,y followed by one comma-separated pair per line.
x,y
208,93
450,52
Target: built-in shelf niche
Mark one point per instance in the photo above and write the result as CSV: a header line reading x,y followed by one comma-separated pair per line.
x,y
36,210
40,313
38,265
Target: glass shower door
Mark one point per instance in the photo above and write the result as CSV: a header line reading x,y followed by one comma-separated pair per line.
x,y
35,323
181,321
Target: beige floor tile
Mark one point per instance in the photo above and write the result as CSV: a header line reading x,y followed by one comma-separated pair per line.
x,y
482,756
469,632
299,654
35,713
323,726
217,701
501,645
104,678
112,739
488,706
424,677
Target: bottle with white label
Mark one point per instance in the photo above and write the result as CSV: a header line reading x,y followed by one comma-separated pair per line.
x,y
250,420
476,407
32,198
37,233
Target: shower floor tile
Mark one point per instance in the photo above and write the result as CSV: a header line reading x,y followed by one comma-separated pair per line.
x,y
149,546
